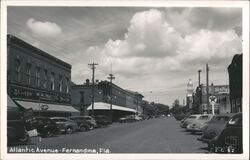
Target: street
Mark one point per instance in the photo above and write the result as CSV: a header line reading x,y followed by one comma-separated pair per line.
x,y
158,135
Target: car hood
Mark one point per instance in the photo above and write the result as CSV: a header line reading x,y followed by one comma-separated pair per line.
x,y
199,122
213,129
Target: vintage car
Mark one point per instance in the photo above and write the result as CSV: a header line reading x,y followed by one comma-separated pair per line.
x,y
102,121
45,126
189,120
197,124
65,125
83,124
91,120
230,138
130,118
214,126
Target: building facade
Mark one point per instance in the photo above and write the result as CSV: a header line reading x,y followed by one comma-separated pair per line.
x,y
221,92
235,83
124,102
38,80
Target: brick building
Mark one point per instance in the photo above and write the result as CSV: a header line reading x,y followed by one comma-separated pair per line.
x,y
124,102
221,92
38,80
235,83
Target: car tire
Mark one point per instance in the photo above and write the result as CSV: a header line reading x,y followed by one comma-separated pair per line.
x,y
83,129
69,130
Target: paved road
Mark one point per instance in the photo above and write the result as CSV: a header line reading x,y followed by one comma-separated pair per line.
x,y
159,135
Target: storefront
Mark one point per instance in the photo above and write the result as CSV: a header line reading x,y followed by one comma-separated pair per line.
x,y
37,80
235,83
102,108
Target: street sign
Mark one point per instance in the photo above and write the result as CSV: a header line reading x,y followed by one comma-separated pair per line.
x,y
212,100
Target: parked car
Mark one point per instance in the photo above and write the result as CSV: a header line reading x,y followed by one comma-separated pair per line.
x,y
45,126
91,120
83,125
214,126
102,121
130,118
185,117
16,131
102,118
65,125
143,116
230,139
189,120
197,124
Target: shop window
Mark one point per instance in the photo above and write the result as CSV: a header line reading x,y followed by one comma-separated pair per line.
x,y
45,77
18,69
38,76
60,83
28,73
52,80
67,85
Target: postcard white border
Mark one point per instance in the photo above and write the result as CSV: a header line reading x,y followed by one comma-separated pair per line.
x,y
137,3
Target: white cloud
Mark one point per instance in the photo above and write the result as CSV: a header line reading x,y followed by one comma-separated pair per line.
x,y
190,20
153,46
45,28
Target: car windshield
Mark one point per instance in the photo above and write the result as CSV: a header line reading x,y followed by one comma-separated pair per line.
x,y
220,119
203,117
192,117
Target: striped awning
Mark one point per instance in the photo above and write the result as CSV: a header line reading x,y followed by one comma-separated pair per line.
x,y
106,106
45,106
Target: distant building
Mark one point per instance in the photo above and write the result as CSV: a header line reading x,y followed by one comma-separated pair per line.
x,y
38,80
235,83
189,95
221,92
124,102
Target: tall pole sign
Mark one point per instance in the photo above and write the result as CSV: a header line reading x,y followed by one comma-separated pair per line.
x,y
212,100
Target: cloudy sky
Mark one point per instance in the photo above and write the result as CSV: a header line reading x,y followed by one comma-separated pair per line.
x,y
151,50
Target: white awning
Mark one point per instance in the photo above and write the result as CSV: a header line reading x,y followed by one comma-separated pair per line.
x,y
10,102
106,106
44,106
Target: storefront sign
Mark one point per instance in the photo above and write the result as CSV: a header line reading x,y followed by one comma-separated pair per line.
x,y
33,94
221,89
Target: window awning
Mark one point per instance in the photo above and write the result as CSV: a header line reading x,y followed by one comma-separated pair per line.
x,y
106,106
44,106
10,102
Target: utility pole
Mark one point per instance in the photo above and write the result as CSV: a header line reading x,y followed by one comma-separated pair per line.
x,y
111,77
207,71
199,77
200,89
93,85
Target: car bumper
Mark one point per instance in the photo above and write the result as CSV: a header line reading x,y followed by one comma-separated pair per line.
x,y
193,129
